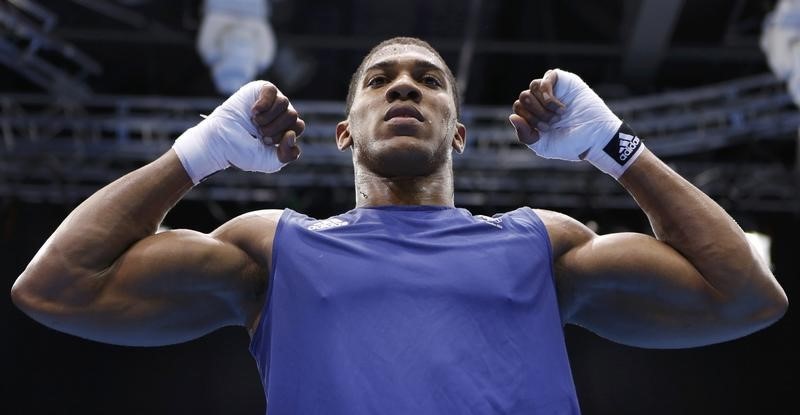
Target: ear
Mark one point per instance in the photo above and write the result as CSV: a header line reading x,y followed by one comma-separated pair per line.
x,y
343,138
460,138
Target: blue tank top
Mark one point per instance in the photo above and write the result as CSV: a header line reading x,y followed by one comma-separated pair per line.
x,y
413,310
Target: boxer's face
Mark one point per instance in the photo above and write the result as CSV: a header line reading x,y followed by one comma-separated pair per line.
x,y
403,118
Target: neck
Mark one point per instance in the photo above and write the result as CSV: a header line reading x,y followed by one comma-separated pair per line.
x,y
435,189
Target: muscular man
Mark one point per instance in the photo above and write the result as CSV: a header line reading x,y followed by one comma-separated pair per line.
x,y
405,304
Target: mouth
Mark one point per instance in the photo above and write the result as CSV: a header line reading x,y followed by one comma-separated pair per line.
x,y
403,111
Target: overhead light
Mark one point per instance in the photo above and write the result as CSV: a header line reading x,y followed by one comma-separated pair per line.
x,y
236,41
780,41
761,244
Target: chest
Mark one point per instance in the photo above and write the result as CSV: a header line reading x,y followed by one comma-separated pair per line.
x,y
470,264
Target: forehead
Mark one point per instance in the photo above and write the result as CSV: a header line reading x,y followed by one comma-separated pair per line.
x,y
402,53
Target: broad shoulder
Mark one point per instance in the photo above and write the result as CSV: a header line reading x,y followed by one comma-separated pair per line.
x,y
565,232
567,236
252,232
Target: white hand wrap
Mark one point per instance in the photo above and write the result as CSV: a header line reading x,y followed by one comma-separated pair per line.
x,y
588,126
227,138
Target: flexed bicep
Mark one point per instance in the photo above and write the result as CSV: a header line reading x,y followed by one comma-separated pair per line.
x,y
167,288
639,291
634,289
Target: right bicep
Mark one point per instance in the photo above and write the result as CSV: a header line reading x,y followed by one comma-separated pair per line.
x,y
167,288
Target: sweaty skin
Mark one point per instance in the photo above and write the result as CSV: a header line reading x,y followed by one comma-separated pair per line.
x,y
105,275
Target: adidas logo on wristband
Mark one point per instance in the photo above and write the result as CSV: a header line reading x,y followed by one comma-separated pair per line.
x,y
623,145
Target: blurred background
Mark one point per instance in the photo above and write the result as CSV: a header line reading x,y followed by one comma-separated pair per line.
x,y
91,89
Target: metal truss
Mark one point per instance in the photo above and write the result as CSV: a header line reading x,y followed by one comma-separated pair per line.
x,y
61,150
28,47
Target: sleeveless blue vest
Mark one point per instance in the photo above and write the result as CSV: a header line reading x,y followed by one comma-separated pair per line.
x,y
413,310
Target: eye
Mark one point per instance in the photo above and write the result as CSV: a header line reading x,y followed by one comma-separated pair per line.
x,y
432,81
376,81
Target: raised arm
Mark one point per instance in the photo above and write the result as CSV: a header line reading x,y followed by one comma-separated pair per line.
x,y
697,282
106,275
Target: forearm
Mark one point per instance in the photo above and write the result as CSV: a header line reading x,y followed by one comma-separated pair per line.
x,y
104,226
699,229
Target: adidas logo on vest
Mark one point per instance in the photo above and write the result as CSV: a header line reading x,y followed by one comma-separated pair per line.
x,y
329,223
496,222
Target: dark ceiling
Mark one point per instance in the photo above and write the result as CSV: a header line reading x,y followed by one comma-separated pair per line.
x,y
621,47
650,59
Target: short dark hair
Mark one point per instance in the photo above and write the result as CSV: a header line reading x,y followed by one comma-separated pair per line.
x,y
351,91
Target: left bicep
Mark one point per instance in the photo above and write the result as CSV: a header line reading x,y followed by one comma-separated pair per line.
x,y
636,290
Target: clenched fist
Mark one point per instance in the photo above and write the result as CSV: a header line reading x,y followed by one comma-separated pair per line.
x,y
561,117
256,129
277,122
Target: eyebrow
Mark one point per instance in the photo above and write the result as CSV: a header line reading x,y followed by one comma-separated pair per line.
x,y
418,63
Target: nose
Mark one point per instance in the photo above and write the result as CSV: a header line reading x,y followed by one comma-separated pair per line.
x,y
403,88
